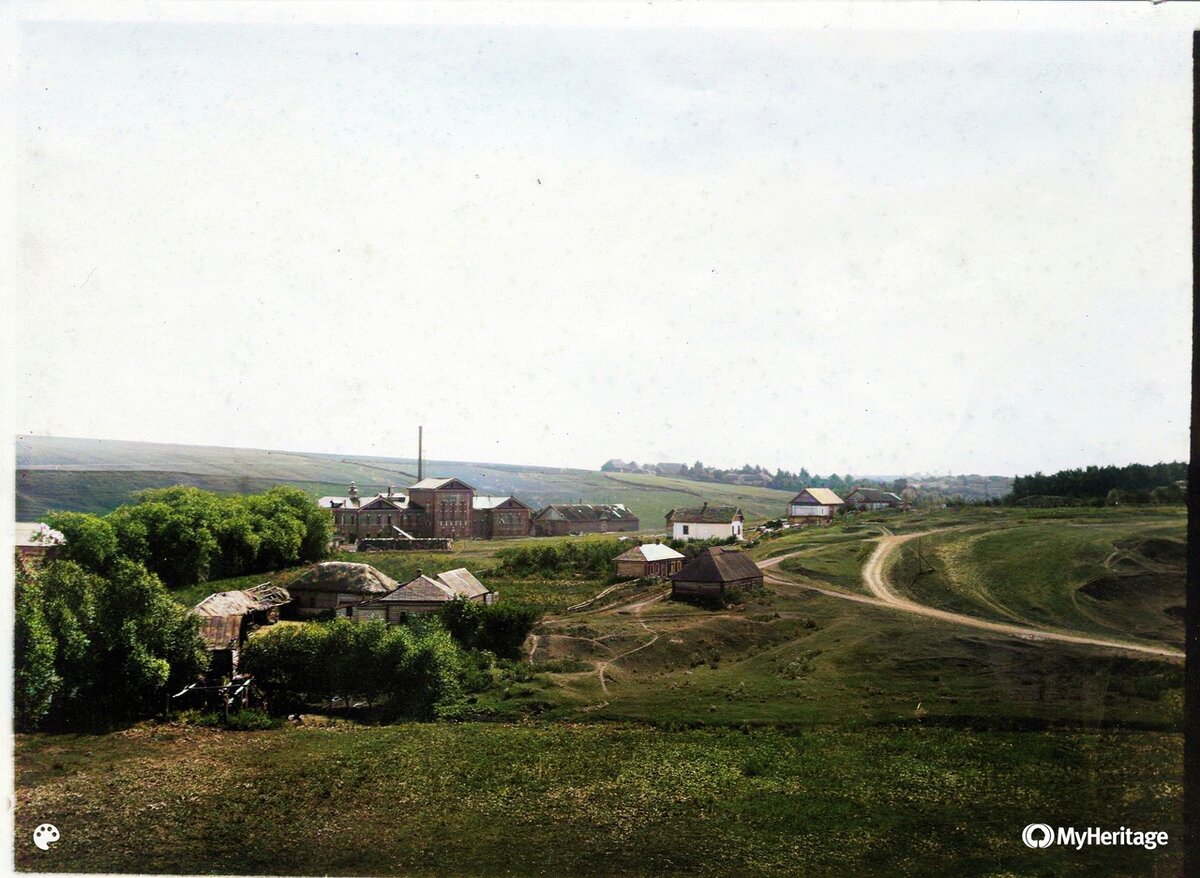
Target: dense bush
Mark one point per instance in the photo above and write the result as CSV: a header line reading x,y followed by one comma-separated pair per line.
x,y
186,535
92,649
416,669
498,628
691,548
562,558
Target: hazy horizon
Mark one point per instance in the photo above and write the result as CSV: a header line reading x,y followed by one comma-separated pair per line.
x,y
814,239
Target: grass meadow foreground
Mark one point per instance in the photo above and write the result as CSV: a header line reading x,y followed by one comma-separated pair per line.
x,y
795,732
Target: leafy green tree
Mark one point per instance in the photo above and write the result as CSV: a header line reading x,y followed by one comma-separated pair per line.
x,y
90,539
35,682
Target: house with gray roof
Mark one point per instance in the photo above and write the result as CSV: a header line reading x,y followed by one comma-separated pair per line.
x,y
706,522
561,519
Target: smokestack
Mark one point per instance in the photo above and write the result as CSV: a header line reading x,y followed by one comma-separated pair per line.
x,y
420,453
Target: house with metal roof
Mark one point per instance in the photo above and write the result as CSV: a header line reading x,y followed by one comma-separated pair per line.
x,y
707,522
715,571
561,519
423,594
814,506
872,498
228,617
651,559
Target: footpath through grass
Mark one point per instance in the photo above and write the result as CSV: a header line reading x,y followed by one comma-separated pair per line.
x,y
601,799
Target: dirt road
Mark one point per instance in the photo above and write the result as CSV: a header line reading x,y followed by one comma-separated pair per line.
x,y
875,578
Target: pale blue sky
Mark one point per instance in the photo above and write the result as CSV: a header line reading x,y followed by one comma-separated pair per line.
x,y
854,248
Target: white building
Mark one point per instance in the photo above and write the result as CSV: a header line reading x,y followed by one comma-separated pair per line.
x,y
705,523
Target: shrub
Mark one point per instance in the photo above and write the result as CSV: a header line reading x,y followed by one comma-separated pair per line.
x,y
498,628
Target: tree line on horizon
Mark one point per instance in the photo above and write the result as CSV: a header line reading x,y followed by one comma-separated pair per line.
x,y
1134,483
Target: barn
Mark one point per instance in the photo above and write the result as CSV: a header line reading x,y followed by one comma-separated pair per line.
x,y
705,523
872,498
227,618
335,585
714,571
652,559
814,506
561,519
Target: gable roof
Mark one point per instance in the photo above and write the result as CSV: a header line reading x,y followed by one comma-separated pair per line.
x,y
344,578
817,497
432,484
421,589
588,512
874,495
239,603
461,582
650,552
705,514
487,501
718,564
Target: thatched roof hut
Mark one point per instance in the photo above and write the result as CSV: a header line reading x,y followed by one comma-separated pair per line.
x,y
331,585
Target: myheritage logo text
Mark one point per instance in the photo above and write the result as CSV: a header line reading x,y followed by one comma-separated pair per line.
x,y
1042,835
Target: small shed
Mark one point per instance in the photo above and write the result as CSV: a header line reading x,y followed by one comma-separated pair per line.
x,y
651,559
227,618
714,571
336,585
814,506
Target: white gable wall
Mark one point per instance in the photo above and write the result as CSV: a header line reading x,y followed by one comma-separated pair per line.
x,y
697,531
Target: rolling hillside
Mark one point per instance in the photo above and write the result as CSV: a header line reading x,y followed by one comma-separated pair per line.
x,y
91,475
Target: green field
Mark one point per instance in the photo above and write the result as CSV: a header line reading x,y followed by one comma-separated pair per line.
x,y
93,476
598,799
791,732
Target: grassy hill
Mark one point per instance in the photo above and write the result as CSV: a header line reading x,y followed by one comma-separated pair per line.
x,y
90,475
794,732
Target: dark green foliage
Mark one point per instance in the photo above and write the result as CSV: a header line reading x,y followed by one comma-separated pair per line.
x,y
418,670
692,548
591,558
186,535
1133,483
35,682
91,541
118,643
498,628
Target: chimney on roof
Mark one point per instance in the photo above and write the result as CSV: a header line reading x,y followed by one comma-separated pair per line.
x,y
420,572
391,490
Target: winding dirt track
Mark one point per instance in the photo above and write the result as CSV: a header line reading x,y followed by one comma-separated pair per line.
x,y
876,581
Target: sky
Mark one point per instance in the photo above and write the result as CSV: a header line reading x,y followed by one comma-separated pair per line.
x,y
845,238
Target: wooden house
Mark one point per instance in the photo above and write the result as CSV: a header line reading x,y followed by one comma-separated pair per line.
x,y
814,506
705,522
336,585
872,498
228,617
714,571
423,594
651,559
561,519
